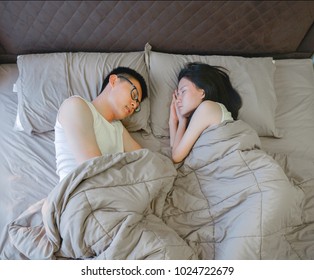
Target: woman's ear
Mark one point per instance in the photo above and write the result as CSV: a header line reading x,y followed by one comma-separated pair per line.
x,y
203,94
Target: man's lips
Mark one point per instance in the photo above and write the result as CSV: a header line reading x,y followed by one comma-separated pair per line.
x,y
127,109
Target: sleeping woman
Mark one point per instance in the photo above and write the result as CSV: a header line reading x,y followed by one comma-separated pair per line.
x,y
238,203
204,97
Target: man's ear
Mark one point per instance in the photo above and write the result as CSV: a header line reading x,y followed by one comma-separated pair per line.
x,y
112,80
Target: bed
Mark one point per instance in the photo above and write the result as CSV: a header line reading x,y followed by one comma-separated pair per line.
x,y
246,190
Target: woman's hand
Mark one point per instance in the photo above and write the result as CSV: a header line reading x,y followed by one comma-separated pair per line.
x,y
173,120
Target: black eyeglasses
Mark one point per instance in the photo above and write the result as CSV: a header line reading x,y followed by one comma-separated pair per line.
x,y
134,93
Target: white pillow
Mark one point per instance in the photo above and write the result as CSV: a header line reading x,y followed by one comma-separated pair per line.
x,y
252,77
45,80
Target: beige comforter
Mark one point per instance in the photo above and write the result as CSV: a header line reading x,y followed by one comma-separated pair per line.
x,y
227,200
232,201
108,208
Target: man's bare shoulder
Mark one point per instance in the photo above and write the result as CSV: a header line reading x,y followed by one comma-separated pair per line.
x,y
73,107
74,102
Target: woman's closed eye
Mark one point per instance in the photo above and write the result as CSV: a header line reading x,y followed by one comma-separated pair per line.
x,y
180,93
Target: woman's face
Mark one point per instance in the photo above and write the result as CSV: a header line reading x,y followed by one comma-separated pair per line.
x,y
188,97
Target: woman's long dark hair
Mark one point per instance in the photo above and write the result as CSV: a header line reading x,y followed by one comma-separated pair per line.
x,y
216,84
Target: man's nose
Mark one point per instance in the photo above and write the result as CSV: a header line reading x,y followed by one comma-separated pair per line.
x,y
134,104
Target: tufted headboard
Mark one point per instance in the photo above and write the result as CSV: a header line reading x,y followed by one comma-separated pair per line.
x,y
247,28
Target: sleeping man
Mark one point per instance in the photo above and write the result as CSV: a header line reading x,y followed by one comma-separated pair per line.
x,y
85,129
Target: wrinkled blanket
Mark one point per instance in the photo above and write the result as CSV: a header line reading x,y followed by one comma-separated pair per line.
x,y
232,201
227,200
108,208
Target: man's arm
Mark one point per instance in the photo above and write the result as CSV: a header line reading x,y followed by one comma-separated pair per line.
x,y
77,121
129,143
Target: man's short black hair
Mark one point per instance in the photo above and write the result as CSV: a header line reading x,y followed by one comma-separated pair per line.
x,y
129,73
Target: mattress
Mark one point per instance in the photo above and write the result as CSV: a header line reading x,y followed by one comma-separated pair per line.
x,y
28,167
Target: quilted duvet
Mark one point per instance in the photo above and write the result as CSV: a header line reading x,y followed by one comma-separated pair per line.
x,y
227,200
232,201
108,208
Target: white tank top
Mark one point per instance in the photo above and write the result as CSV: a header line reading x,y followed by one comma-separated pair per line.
x,y
225,114
108,137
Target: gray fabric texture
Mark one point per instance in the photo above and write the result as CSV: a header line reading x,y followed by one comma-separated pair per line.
x,y
231,200
108,208
227,200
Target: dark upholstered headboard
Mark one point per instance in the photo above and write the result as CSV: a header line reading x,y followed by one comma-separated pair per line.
x,y
248,28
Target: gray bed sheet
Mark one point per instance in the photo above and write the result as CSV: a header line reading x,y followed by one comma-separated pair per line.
x,y
27,163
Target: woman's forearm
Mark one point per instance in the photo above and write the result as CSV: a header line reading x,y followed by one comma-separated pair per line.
x,y
181,128
173,131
